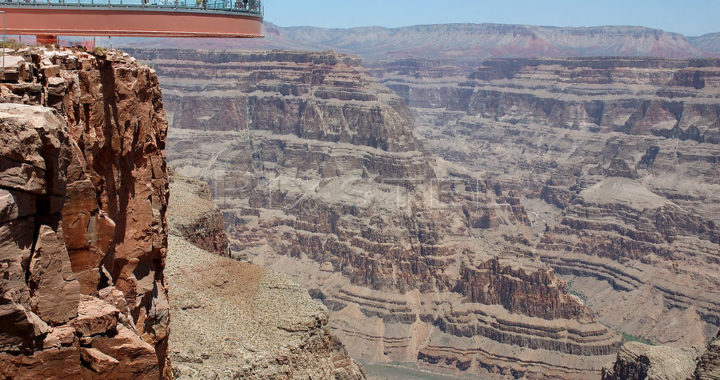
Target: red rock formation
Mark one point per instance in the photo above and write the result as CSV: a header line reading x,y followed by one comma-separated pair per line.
x,y
535,293
85,193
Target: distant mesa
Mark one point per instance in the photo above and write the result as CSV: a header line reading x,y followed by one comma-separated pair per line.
x,y
465,42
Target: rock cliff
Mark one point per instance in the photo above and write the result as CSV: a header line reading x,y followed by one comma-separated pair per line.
x,y
239,320
318,174
83,234
615,163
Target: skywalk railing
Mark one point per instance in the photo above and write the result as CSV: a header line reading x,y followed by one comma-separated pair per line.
x,y
253,7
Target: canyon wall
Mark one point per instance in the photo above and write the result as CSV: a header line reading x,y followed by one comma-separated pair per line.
x,y
615,161
83,234
319,175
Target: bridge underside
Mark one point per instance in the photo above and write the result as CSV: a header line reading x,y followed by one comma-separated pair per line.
x,y
51,22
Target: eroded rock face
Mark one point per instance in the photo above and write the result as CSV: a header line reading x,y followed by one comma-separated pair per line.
x,y
83,235
417,259
238,320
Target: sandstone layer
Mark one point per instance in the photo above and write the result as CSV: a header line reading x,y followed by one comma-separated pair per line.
x,y
318,174
83,234
615,162
238,320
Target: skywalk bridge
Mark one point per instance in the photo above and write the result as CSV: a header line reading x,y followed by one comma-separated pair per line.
x,y
48,19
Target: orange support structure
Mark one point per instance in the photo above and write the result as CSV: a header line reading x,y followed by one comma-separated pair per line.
x,y
46,39
48,22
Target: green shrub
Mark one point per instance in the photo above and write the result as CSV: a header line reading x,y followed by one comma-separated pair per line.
x,y
99,51
13,44
632,338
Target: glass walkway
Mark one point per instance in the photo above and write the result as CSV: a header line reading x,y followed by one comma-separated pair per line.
x,y
254,7
48,19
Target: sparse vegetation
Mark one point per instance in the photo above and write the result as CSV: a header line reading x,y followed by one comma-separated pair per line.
x,y
577,294
632,338
13,44
582,297
99,51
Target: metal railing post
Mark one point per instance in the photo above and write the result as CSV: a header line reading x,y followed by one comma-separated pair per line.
x,y
3,42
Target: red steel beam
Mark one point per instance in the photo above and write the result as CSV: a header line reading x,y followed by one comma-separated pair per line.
x,y
130,22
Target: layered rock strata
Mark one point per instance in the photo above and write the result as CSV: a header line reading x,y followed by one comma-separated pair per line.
x,y
83,234
318,175
615,162
239,320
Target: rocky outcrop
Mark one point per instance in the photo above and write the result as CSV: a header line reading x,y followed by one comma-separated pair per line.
x,y
84,193
418,260
239,320
196,218
708,366
640,361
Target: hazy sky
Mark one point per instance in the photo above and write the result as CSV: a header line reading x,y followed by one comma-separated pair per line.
x,y
689,17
